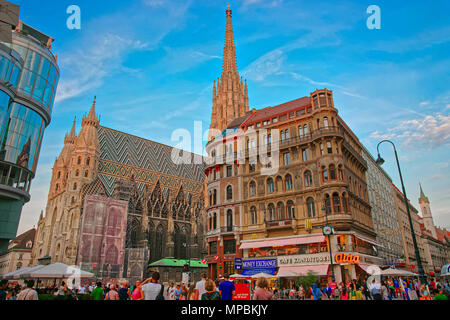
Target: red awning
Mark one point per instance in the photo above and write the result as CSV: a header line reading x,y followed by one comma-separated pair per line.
x,y
281,242
320,269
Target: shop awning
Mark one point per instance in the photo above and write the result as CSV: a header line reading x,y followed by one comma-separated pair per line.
x,y
281,242
320,269
365,267
369,241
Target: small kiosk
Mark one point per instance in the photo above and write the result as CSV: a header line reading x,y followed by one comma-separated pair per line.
x,y
243,287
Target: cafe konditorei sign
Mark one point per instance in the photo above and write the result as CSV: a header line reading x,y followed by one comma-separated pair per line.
x,y
304,259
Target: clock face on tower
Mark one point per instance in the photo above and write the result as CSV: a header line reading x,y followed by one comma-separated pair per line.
x,y
327,230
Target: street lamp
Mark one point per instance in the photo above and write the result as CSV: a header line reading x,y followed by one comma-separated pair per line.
x,y
380,161
327,230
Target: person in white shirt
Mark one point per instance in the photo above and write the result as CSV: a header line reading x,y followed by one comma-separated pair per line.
x,y
151,287
171,292
200,286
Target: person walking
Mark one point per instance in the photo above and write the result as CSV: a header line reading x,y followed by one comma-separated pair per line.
x,y
211,292
98,292
3,286
192,293
227,289
316,292
200,286
137,294
152,289
301,293
29,293
262,293
171,291
124,291
112,293
375,290
177,292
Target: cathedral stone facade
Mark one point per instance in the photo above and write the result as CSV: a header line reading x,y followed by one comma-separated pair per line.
x,y
164,199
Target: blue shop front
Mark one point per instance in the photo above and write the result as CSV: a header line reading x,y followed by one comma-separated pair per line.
x,y
251,267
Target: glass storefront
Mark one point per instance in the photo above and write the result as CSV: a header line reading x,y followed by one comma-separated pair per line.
x,y
21,136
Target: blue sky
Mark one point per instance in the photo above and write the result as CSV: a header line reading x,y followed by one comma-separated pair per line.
x,y
151,64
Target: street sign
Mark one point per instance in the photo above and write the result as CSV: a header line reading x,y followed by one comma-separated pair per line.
x,y
237,263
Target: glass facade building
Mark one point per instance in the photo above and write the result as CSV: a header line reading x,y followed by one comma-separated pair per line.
x,y
29,77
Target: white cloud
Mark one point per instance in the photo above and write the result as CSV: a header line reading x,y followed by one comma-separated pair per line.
x,y
87,67
266,65
432,131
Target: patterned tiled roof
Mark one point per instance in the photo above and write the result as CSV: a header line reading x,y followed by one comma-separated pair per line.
x,y
124,156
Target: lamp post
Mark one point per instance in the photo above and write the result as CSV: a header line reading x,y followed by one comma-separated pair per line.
x,y
187,245
328,229
380,161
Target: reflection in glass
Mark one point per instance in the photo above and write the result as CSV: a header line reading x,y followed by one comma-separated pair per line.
x,y
21,136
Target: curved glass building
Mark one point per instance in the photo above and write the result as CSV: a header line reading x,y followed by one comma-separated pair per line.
x,y
29,76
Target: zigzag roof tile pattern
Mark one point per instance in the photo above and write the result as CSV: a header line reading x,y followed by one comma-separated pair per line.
x,y
124,156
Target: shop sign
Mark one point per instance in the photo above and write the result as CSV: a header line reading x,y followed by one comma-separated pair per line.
x,y
242,291
259,263
304,259
237,264
347,258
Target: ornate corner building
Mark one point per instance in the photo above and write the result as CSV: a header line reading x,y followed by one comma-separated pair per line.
x,y
163,203
269,210
29,76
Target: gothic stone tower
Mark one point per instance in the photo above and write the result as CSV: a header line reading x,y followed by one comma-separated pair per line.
x,y
57,234
230,96
426,213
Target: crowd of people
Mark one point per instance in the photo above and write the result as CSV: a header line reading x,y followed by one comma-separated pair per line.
x,y
390,289
208,289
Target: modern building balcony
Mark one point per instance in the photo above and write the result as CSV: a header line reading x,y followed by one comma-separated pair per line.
x,y
15,181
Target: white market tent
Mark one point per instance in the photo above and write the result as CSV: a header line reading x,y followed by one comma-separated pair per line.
x,y
263,275
398,273
445,270
56,271
11,274
236,275
19,275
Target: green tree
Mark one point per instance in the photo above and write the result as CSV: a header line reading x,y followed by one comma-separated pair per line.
x,y
307,281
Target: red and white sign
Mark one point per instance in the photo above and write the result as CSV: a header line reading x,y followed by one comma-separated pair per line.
x,y
204,261
216,258
242,291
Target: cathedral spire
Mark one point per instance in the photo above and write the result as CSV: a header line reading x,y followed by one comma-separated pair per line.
x,y
73,133
230,97
422,194
229,50
70,138
91,118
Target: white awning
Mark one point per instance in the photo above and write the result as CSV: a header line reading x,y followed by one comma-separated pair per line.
x,y
369,241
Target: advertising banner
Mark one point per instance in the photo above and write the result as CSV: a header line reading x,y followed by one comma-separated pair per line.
x,y
242,291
